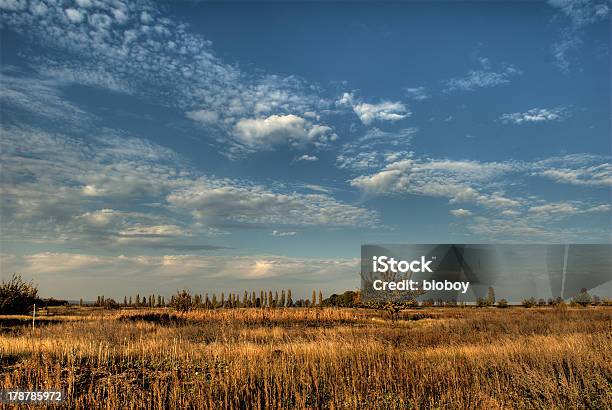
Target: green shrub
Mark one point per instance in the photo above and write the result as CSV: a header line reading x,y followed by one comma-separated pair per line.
x,y
17,296
530,302
182,301
503,303
483,302
583,298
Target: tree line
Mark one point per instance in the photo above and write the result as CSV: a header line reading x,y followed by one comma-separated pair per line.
x,y
183,300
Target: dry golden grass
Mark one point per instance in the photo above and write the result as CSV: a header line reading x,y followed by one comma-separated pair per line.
x,y
318,358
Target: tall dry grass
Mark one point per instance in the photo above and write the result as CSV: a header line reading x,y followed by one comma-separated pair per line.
x,y
319,358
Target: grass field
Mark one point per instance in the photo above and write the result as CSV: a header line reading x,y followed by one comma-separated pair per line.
x,y
456,358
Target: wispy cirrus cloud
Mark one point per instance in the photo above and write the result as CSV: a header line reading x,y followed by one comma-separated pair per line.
x,y
417,93
484,76
38,98
375,148
580,13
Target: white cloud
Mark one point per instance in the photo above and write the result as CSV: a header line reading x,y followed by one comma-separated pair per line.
x,y
561,208
39,98
372,112
264,133
417,93
74,15
375,149
483,77
459,181
216,202
13,5
283,233
205,117
461,212
57,188
84,3
307,158
383,111
130,46
576,169
581,13
536,115
561,49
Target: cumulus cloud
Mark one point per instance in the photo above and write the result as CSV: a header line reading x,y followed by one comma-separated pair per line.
x,y
383,111
308,158
461,212
536,115
264,133
372,112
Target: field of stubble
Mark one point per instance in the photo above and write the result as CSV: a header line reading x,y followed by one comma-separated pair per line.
x,y
455,358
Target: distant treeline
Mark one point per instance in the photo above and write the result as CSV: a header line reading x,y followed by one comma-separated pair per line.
x,y
183,300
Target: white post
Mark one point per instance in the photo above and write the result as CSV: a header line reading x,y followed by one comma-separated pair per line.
x,y
33,316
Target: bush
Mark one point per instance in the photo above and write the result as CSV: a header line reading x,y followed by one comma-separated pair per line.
x,y
583,298
181,301
347,299
503,303
17,296
606,302
483,302
530,302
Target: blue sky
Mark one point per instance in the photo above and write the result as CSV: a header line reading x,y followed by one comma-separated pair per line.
x,y
148,146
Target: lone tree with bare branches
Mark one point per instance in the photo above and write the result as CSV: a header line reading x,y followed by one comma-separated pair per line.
x,y
17,296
